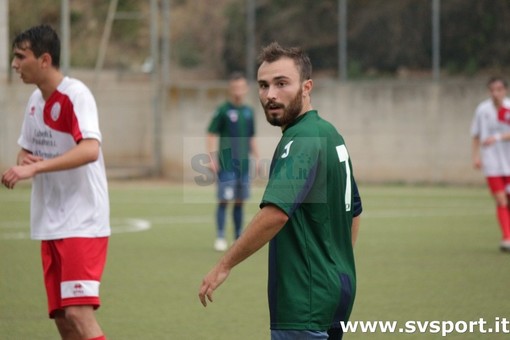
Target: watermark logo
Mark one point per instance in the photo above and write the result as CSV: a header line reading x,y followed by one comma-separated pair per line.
x,y
288,165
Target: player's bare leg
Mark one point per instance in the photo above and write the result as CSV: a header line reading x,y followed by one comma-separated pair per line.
x,y
77,323
65,328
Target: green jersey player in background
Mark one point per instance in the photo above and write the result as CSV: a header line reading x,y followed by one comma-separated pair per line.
x,y
234,125
309,211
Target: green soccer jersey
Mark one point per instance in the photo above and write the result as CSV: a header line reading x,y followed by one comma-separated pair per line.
x,y
235,126
312,279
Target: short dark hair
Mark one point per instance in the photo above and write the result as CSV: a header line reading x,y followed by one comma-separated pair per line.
x,y
274,51
495,79
40,39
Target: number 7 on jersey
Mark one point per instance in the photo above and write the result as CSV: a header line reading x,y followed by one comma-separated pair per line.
x,y
343,156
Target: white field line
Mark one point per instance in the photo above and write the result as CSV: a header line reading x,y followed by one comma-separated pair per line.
x,y
10,230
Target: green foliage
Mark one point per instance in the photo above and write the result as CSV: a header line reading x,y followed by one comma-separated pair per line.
x,y
234,54
354,69
188,54
471,67
75,17
383,36
40,12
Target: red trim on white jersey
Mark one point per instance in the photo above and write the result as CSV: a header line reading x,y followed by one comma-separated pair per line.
x,y
60,116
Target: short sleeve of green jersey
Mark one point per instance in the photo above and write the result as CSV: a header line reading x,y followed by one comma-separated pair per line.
x,y
216,121
293,172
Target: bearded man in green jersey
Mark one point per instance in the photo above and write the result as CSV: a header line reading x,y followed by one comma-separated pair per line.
x,y
309,212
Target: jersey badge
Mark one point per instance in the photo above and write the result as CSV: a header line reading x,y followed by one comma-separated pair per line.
x,y
287,149
232,114
55,111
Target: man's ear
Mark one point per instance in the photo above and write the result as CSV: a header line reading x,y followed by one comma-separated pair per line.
x,y
46,60
307,87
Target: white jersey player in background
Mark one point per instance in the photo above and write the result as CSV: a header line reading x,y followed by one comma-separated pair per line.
x,y
61,150
490,130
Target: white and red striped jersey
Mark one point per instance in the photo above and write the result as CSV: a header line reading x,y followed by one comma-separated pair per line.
x,y
69,203
488,122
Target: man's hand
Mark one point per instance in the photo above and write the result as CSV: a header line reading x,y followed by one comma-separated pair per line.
x,y
477,163
16,174
262,228
212,281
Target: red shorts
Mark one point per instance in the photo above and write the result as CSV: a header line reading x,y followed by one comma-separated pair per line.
x,y
499,184
72,271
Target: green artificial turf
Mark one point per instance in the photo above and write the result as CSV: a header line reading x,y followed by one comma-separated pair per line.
x,y
423,254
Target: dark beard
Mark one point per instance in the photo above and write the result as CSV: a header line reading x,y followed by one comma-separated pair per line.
x,y
290,112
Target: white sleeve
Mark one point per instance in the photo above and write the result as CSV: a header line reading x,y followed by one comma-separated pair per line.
x,y
476,124
85,109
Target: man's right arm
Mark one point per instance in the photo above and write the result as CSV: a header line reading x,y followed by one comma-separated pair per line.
x,y
212,147
475,152
263,227
355,229
357,209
